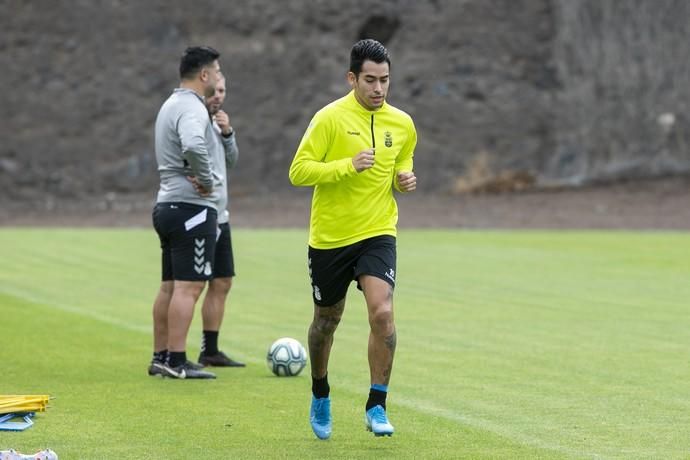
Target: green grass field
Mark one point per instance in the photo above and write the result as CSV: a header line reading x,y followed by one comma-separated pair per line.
x,y
510,345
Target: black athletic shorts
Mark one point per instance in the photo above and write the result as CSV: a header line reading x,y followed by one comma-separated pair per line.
x,y
332,270
188,235
224,264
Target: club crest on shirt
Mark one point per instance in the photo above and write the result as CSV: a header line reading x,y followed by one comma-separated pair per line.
x,y
388,139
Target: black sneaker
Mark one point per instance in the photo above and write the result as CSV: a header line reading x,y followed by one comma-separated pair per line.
x,y
220,359
154,369
195,366
188,370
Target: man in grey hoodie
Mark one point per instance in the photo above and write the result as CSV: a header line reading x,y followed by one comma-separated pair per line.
x,y
185,215
223,150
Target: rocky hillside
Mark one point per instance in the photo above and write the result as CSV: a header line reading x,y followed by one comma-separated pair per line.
x,y
505,93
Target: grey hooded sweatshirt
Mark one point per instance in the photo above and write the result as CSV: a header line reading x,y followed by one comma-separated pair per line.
x,y
183,129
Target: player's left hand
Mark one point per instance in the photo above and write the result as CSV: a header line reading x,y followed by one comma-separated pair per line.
x,y
407,181
223,121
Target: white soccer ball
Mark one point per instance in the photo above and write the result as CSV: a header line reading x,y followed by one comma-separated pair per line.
x,y
286,357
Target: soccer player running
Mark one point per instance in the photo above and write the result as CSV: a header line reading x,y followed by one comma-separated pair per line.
x,y
224,152
355,151
185,216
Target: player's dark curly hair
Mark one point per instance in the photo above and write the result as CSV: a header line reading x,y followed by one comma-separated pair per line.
x,y
367,49
196,58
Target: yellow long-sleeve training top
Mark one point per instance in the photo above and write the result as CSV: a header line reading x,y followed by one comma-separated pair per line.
x,y
348,206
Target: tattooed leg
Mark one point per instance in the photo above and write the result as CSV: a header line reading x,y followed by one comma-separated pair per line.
x,y
382,335
321,332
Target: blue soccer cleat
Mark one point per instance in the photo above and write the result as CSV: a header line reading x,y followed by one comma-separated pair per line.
x,y
320,417
14,455
377,421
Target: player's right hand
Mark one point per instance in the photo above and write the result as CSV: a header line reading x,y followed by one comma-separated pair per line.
x,y
363,160
223,121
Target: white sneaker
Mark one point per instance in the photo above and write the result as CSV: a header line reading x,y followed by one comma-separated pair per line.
x,y
12,454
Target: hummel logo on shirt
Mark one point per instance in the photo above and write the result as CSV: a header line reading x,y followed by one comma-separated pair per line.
x,y
353,133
